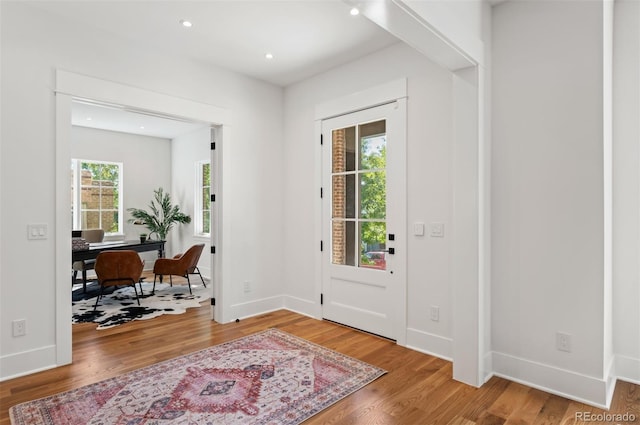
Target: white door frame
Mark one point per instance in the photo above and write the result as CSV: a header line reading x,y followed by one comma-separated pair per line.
x,y
383,94
70,87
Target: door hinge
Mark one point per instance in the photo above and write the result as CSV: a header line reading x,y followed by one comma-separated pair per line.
x,y
321,246
213,249
321,299
213,301
320,139
321,193
213,146
213,198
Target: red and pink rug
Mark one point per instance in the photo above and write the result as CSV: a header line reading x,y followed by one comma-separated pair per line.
x,y
267,378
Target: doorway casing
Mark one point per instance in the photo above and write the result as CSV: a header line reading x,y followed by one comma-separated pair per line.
x,y
70,87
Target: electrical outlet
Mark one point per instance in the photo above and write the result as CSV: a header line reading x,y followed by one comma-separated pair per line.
x,y
19,327
435,313
563,342
247,286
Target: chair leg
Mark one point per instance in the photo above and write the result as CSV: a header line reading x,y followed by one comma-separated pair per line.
x,y
136,291
98,297
84,280
153,291
189,282
170,281
197,270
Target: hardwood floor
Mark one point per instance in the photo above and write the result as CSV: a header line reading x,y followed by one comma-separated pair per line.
x,y
418,388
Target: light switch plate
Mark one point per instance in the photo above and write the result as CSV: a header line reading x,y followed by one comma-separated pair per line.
x,y
37,231
418,229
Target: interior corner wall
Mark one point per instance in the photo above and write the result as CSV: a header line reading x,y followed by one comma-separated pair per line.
x,y
626,192
429,138
186,151
34,44
547,196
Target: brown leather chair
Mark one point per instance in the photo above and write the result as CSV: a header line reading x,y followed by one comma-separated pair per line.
x,y
180,265
118,268
91,236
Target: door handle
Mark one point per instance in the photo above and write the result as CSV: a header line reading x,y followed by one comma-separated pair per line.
x,y
390,251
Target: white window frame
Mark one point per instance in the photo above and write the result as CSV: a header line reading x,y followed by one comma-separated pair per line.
x,y
76,183
198,225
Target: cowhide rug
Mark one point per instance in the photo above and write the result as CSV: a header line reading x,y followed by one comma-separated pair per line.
x,y
120,306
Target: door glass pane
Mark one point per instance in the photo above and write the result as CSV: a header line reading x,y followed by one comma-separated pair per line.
x,y
373,146
358,195
372,245
344,196
344,150
343,246
373,195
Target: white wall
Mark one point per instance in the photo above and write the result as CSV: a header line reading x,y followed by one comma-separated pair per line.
x,y
547,202
429,183
34,45
626,192
145,161
186,151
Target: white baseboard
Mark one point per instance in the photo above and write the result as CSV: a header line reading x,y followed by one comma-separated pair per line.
x,y
27,362
255,307
428,343
627,369
302,306
565,383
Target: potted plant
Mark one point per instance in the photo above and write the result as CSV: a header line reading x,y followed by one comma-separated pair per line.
x,y
162,216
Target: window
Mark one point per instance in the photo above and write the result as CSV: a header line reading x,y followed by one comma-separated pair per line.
x,y
96,192
359,195
202,212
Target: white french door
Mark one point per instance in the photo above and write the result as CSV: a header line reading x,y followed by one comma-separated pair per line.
x,y
364,224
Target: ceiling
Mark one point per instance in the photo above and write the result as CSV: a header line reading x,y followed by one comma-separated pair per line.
x,y
305,37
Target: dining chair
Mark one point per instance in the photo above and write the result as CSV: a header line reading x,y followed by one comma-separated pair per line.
x,y
118,268
180,265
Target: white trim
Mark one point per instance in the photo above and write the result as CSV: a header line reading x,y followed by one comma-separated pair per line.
x,y
627,369
551,379
256,307
407,25
300,305
142,100
428,343
365,99
70,87
27,362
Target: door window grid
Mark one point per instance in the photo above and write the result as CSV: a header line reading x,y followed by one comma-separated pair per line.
x,y
358,238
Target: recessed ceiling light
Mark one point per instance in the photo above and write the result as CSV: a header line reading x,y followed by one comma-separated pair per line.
x,y
142,127
268,56
185,23
89,118
354,11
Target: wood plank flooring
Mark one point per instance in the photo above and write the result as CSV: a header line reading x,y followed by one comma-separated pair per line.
x,y
418,388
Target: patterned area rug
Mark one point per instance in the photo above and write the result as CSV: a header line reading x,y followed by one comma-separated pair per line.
x,y
120,306
270,377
